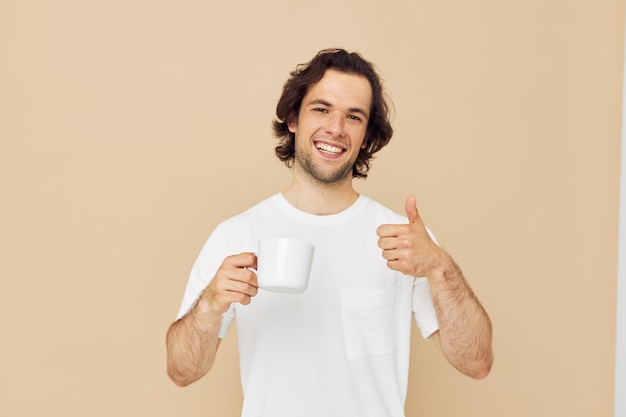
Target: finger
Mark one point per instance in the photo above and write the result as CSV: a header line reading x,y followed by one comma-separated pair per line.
x,y
389,230
390,255
398,265
230,273
242,260
235,286
387,243
243,288
244,275
411,209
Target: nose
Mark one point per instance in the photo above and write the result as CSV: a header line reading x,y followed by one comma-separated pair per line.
x,y
336,125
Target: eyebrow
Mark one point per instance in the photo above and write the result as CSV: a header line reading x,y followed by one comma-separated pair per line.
x,y
326,103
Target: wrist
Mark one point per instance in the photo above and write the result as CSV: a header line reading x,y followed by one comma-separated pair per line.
x,y
205,312
444,268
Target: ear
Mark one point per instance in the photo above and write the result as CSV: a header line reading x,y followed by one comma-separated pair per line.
x,y
292,122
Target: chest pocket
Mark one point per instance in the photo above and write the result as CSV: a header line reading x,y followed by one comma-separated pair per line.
x,y
369,321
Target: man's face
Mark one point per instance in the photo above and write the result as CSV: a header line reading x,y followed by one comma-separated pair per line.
x,y
331,126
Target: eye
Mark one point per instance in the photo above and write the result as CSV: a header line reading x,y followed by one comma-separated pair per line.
x,y
353,117
320,110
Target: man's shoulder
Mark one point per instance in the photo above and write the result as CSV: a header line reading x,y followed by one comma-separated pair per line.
x,y
263,208
381,211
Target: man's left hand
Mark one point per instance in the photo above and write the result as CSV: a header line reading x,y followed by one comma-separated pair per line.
x,y
408,248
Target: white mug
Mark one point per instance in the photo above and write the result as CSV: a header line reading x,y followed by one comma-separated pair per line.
x,y
284,265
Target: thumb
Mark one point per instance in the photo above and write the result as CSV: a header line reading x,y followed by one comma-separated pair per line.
x,y
411,210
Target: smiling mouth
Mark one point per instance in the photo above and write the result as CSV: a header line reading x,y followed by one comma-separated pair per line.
x,y
329,149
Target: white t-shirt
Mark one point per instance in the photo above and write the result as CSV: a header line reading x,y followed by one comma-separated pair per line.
x,y
341,348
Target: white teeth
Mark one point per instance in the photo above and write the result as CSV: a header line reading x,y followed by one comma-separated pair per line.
x,y
328,148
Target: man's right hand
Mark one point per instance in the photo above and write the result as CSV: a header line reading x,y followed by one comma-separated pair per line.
x,y
234,282
192,341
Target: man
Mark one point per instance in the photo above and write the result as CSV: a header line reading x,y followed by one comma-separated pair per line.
x,y
342,347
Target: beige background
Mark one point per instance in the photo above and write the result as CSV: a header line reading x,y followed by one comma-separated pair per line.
x,y
128,129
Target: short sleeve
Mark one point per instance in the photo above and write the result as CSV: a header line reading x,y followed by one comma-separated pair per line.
x,y
423,308
204,268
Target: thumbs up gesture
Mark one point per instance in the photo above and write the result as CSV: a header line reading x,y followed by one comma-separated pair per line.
x,y
408,248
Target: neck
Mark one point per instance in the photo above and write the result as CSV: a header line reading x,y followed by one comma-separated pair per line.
x,y
318,198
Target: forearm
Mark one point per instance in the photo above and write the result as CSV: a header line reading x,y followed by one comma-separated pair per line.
x,y
464,327
192,343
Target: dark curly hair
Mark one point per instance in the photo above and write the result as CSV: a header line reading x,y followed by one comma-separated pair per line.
x,y
379,130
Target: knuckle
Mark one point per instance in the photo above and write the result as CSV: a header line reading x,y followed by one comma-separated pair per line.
x,y
228,260
249,276
243,298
